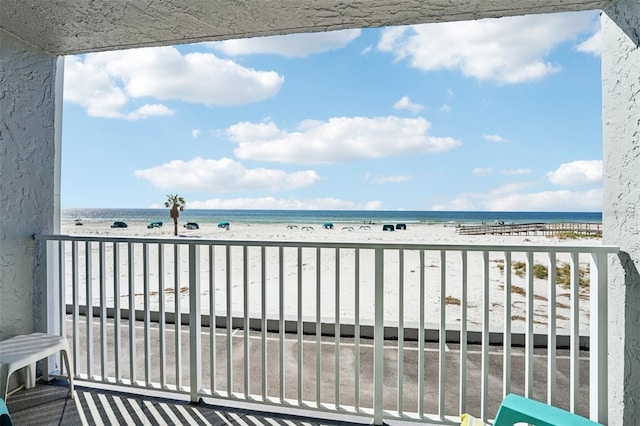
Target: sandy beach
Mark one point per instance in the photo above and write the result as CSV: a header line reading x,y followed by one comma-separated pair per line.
x,y
341,233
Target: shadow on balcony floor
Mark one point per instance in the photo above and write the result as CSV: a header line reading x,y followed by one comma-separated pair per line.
x,y
48,404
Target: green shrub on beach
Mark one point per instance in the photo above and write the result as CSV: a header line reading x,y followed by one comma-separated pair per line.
x,y
568,235
540,271
563,276
519,268
573,235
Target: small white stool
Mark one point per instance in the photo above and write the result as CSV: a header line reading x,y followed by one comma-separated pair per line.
x,y
23,351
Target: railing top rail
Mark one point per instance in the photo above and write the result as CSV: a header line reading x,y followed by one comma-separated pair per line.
x,y
562,248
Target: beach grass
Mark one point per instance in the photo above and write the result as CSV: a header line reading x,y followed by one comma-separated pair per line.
x,y
540,271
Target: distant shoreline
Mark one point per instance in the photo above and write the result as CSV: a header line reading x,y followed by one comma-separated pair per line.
x,y
318,217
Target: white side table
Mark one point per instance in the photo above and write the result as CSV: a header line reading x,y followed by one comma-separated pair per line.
x,y
24,350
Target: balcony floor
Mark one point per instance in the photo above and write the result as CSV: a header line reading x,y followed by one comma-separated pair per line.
x,y
48,404
97,403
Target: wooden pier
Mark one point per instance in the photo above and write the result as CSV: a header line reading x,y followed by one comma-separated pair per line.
x,y
584,229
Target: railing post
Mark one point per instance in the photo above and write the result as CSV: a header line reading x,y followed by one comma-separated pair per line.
x,y
46,283
46,304
598,367
195,329
378,342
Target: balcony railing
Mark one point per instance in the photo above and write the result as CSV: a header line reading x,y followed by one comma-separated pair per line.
x,y
253,321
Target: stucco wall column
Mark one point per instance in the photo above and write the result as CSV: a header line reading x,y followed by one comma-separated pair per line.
x,y
29,182
621,211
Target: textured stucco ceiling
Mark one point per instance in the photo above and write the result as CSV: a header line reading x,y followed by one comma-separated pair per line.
x,y
60,27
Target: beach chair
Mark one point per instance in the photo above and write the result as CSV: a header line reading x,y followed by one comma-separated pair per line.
x,y
518,409
5,417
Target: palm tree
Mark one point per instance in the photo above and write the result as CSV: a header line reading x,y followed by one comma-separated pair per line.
x,y
176,203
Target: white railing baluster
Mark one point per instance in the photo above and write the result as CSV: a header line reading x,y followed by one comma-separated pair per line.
x,y
147,314
76,305
299,326
318,327
421,324
337,328
574,353
177,310
484,377
263,319
117,314
528,339
598,372
378,339
162,321
229,322
195,326
506,346
442,334
62,294
88,278
281,320
132,314
245,309
103,310
212,319
400,380
463,332
356,331
551,333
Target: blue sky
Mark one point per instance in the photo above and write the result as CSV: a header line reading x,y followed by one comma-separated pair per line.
x,y
501,114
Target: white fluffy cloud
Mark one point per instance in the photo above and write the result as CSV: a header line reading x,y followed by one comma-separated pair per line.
x,y
272,203
291,45
506,50
577,173
561,201
149,110
382,179
510,199
405,103
457,204
493,138
515,172
91,86
339,139
224,175
523,196
510,188
482,171
106,83
591,45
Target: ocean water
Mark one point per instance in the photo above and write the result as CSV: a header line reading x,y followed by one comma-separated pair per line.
x,y
321,216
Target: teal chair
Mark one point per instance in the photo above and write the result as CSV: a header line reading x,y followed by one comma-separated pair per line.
x,y
515,408
5,417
